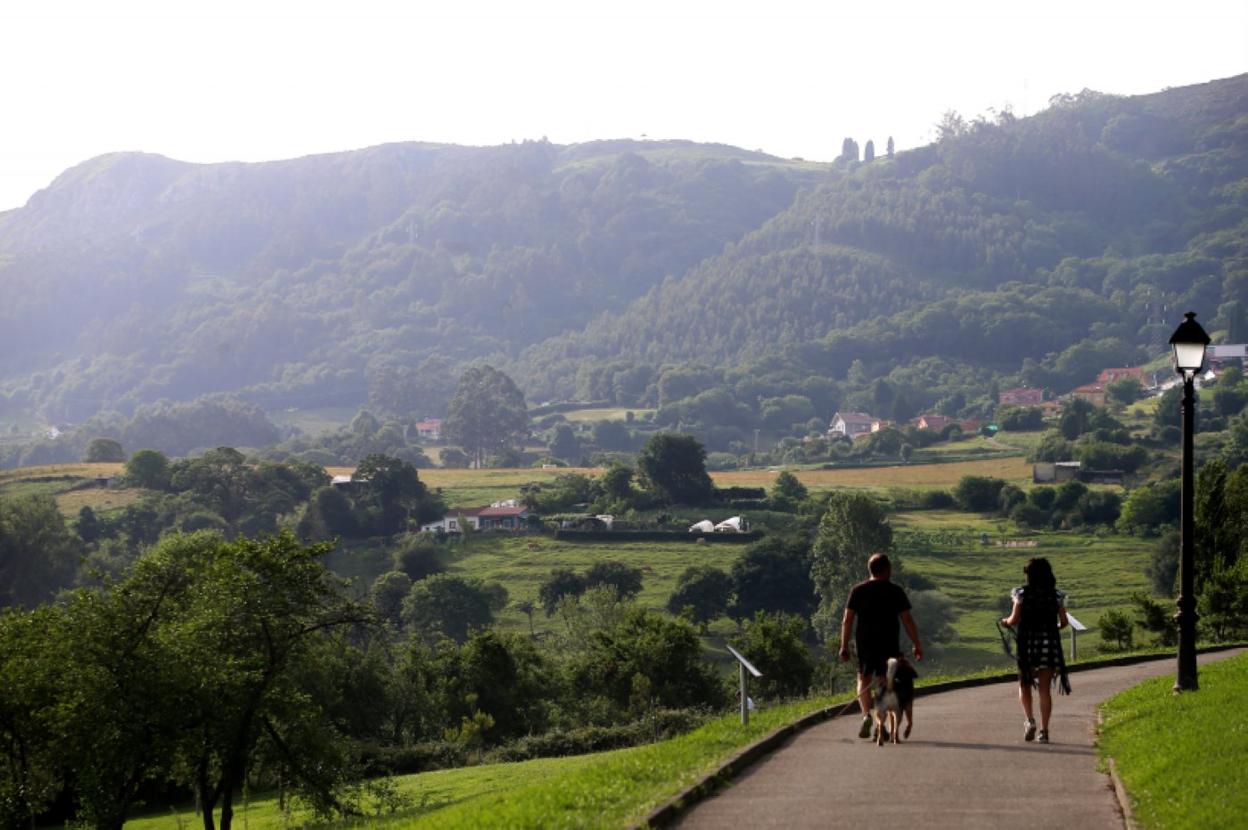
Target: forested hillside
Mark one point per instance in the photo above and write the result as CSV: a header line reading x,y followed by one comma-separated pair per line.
x,y
1030,250
326,279
1093,224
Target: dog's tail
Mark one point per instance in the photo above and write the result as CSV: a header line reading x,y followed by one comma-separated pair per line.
x,y
892,670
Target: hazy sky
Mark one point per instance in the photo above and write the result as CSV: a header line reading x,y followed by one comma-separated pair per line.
x,y
256,80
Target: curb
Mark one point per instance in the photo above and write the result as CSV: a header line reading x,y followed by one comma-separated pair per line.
x,y
667,813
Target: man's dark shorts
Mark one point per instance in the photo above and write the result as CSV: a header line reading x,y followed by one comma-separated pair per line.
x,y
873,664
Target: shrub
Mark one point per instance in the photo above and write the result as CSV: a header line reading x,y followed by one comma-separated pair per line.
x,y
937,500
978,494
1117,631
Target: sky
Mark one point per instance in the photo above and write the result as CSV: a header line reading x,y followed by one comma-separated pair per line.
x,y
268,79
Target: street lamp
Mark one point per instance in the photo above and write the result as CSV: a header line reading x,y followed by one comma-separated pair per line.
x,y
1189,341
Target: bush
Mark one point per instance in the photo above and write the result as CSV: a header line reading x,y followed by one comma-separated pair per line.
x,y
419,558
660,724
1020,418
1117,631
937,500
1030,516
978,494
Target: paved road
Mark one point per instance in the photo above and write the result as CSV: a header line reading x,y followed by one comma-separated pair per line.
x,y
966,765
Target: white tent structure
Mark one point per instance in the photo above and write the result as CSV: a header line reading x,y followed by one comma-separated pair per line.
x,y
704,526
734,525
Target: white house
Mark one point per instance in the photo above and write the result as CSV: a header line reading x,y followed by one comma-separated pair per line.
x,y
430,430
853,424
704,526
456,520
734,525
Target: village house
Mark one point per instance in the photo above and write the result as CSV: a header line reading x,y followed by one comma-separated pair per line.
x,y
937,423
455,520
853,424
430,430
498,516
1022,396
1093,393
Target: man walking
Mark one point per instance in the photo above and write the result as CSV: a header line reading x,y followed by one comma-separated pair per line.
x,y
880,608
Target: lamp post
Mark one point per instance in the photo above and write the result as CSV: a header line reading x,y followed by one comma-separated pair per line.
x,y
1189,341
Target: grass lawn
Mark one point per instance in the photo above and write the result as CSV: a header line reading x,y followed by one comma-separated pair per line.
x,y
1181,757
610,789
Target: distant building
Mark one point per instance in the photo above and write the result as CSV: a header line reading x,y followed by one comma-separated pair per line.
x,y
503,518
1022,396
1093,393
853,424
1045,472
455,521
430,430
935,423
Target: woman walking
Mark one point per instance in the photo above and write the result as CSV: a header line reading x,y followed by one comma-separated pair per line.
x,y
1039,611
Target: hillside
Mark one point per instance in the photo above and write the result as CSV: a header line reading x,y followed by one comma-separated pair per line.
x,y
1008,240
1011,251
135,277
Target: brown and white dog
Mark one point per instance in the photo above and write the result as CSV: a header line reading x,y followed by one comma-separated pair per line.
x,y
894,698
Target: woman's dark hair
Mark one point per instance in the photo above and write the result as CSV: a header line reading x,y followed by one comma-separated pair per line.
x,y
1040,573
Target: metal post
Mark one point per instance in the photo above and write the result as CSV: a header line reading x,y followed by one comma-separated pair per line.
x,y
745,700
1074,648
1186,616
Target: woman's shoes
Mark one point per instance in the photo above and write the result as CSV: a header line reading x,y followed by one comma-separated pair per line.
x,y
1029,729
1044,736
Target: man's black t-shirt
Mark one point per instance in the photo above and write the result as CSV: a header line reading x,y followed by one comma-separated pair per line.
x,y
876,604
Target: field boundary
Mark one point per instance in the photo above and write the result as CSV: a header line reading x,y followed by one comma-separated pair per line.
x,y
666,814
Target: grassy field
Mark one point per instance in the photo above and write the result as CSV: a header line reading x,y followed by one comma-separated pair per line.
x,y
617,414
475,488
62,482
610,789
315,421
1097,574
1197,781
918,476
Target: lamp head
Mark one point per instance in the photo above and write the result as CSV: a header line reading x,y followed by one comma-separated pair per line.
x,y
1189,341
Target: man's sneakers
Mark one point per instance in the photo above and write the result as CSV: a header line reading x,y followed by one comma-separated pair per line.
x,y
1029,731
864,731
1044,736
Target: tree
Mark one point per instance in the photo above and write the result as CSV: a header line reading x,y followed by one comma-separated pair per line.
x,y
104,449
1124,391
849,150
1117,630
625,579
774,644
31,767
853,527
1075,419
387,594
773,575
890,147
665,652
487,414
420,557
562,582
674,467
787,492
868,154
148,469
978,494
392,494
451,606
564,444
616,482
702,590
38,553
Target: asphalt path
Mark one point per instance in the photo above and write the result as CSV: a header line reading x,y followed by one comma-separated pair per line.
x,y
965,766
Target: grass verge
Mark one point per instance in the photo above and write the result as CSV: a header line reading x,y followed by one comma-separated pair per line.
x,y
1181,756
